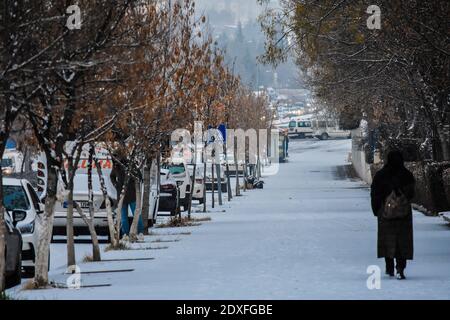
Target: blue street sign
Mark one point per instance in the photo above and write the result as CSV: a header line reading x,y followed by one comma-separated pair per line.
x,y
223,130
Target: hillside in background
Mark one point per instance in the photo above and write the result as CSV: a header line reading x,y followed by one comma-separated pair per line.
x,y
236,29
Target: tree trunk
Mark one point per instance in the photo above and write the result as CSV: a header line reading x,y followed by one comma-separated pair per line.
x,y
258,159
227,173
230,193
158,181
90,223
445,145
204,186
219,183
2,237
72,169
244,167
137,212
146,195
69,226
24,160
119,211
95,245
178,203
109,211
238,188
213,185
192,190
45,225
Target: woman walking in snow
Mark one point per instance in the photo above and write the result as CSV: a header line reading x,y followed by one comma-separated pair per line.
x,y
392,193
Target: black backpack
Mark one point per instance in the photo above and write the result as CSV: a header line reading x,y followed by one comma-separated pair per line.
x,y
396,206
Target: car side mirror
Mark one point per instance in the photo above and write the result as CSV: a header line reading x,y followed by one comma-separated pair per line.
x,y
18,216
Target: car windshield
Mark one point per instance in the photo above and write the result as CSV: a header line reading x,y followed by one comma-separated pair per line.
x,y
14,198
292,124
6,163
176,169
304,124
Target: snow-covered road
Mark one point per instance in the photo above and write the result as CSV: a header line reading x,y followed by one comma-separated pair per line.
x,y
309,234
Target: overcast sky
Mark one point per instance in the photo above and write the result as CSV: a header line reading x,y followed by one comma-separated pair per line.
x,y
242,10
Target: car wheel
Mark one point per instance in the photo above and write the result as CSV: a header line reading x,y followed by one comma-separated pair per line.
x,y
28,272
324,136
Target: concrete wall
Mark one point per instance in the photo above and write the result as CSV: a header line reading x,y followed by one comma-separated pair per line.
x,y
359,159
361,167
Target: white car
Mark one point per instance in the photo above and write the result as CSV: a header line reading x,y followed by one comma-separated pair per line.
x,y
81,196
329,129
301,129
179,173
81,193
168,193
232,166
199,184
19,197
209,175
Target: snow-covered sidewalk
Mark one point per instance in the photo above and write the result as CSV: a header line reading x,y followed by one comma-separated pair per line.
x,y
309,234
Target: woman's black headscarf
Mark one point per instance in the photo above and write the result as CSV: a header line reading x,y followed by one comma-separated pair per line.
x,y
395,160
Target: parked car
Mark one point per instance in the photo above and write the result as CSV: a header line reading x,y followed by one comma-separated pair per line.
x,y
180,174
301,128
81,196
168,193
232,166
13,258
325,129
21,199
199,185
81,192
209,180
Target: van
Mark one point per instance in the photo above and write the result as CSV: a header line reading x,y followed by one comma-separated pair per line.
x,y
301,128
329,128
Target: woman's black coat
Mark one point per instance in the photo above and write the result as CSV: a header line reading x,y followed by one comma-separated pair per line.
x,y
395,237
